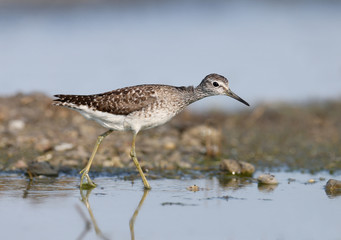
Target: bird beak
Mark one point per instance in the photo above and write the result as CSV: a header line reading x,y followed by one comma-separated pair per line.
x,y
235,96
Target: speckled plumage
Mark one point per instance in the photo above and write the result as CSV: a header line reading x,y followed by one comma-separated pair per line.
x,y
140,107
123,101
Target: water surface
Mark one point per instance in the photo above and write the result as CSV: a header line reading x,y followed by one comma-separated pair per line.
x,y
54,208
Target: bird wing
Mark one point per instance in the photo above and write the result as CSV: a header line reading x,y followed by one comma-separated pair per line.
x,y
122,101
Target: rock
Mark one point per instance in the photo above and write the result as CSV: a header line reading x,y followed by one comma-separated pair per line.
x,y
184,165
267,179
193,188
45,157
21,164
230,166
41,168
169,146
70,163
16,125
63,147
43,145
333,185
333,188
311,180
203,138
113,162
246,168
235,167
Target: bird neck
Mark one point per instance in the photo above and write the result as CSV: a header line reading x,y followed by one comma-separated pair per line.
x,y
199,93
195,94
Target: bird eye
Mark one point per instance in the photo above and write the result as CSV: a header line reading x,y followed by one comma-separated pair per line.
x,y
215,84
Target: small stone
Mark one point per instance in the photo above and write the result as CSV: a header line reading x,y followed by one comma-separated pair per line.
x,y
63,147
113,162
70,163
203,138
246,168
45,157
333,185
235,167
230,166
41,168
184,165
169,146
20,165
311,180
16,125
43,145
193,188
267,179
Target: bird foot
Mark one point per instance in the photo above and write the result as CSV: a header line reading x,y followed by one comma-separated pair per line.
x,y
89,184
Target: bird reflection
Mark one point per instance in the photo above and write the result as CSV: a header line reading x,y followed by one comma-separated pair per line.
x,y
85,199
136,212
27,189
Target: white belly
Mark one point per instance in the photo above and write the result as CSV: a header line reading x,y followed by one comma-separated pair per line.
x,y
135,121
141,120
107,120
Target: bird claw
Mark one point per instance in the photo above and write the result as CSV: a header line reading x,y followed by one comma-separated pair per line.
x,y
86,185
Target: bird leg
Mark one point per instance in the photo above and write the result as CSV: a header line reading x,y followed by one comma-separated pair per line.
x,y
86,170
133,156
133,218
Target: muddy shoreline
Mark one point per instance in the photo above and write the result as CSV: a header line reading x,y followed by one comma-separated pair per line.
x,y
304,137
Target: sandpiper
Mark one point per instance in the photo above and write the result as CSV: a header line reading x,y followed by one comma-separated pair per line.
x,y
140,107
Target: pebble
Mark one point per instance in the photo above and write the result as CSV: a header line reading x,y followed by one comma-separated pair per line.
x,y
70,163
169,146
235,167
16,125
333,185
41,168
113,162
246,168
43,145
21,164
184,165
203,138
63,147
311,180
193,188
267,179
45,157
230,166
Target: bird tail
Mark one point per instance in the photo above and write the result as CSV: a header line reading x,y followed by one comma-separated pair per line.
x,y
72,100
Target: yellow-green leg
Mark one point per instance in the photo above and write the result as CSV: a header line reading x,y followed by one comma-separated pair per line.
x,y
133,218
86,170
133,156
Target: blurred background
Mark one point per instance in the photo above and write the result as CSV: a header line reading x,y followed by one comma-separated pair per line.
x,y
269,50
283,57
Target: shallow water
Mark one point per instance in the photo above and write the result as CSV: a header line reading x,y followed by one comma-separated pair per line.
x,y
54,208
